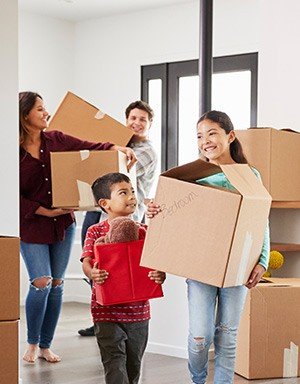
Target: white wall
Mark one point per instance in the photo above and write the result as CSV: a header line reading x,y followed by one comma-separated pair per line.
x,y
46,66
9,222
107,57
46,57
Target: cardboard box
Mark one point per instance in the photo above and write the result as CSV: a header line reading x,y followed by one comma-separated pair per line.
x,y
128,281
208,234
77,117
10,278
9,352
269,333
276,155
73,173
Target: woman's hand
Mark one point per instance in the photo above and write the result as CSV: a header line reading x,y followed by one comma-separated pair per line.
x,y
52,212
255,276
98,275
128,152
152,209
158,276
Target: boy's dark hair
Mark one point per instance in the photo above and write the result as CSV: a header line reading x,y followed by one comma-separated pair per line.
x,y
101,187
139,104
224,122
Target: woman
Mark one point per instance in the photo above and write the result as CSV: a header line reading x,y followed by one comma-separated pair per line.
x,y
214,313
46,233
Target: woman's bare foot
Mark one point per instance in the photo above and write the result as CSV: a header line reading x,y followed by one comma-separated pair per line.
x,y
48,355
31,353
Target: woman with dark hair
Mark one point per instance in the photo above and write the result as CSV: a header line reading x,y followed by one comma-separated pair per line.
x,y
214,313
46,233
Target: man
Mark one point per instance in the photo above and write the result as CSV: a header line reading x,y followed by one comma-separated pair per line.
x,y
139,117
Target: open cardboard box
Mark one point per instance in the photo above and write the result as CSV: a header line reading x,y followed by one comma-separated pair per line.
x,y
269,332
208,234
74,172
77,117
276,154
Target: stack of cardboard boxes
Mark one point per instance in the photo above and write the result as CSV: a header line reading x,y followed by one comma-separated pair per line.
x,y
10,313
73,172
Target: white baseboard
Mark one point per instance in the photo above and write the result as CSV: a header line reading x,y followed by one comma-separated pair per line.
x,y
171,350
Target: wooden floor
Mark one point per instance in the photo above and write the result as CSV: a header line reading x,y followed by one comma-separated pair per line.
x,y
81,363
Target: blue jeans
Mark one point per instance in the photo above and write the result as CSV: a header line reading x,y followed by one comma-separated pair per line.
x,y
214,316
43,305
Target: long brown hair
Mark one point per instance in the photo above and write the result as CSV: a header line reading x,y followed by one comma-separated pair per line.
x,y
26,103
224,122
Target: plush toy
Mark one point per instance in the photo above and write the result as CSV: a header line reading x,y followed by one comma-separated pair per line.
x,y
276,261
122,229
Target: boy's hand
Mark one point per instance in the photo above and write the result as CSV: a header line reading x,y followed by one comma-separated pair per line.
x,y
98,275
158,276
255,276
152,209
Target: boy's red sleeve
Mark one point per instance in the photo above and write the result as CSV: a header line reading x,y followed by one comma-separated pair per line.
x,y
88,247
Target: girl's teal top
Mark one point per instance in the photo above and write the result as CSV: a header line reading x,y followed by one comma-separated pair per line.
x,y
220,180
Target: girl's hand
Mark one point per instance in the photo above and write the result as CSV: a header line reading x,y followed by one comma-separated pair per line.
x,y
255,276
158,276
152,209
128,152
98,275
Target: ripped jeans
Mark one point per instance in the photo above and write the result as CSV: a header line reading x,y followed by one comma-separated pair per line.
x,y
43,305
214,316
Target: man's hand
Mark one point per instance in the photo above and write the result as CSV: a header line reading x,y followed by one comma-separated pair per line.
x,y
131,157
158,276
98,275
255,276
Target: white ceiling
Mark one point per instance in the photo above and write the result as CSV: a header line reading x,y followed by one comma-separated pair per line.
x,y
78,10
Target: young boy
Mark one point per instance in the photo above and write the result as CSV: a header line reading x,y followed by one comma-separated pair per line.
x,y
121,330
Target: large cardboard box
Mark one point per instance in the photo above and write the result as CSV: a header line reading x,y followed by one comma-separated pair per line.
x,y
208,234
128,281
10,278
269,333
73,173
276,155
9,352
77,117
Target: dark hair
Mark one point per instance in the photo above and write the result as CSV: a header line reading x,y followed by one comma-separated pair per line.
x,y
26,103
223,120
139,104
101,187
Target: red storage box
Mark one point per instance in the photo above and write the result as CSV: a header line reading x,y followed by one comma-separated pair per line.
x,y
127,281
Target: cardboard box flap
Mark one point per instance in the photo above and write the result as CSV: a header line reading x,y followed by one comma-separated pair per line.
x,y
279,282
274,129
195,170
76,117
245,181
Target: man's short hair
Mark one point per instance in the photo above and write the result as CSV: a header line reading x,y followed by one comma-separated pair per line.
x,y
139,104
101,187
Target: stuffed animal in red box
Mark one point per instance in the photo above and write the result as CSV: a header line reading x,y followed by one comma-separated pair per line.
x,y
119,252
121,230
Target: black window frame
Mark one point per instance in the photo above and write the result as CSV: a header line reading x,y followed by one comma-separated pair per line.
x,y
170,73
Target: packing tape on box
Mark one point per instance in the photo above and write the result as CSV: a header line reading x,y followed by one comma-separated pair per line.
x,y
99,115
245,257
84,154
290,361
86,198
